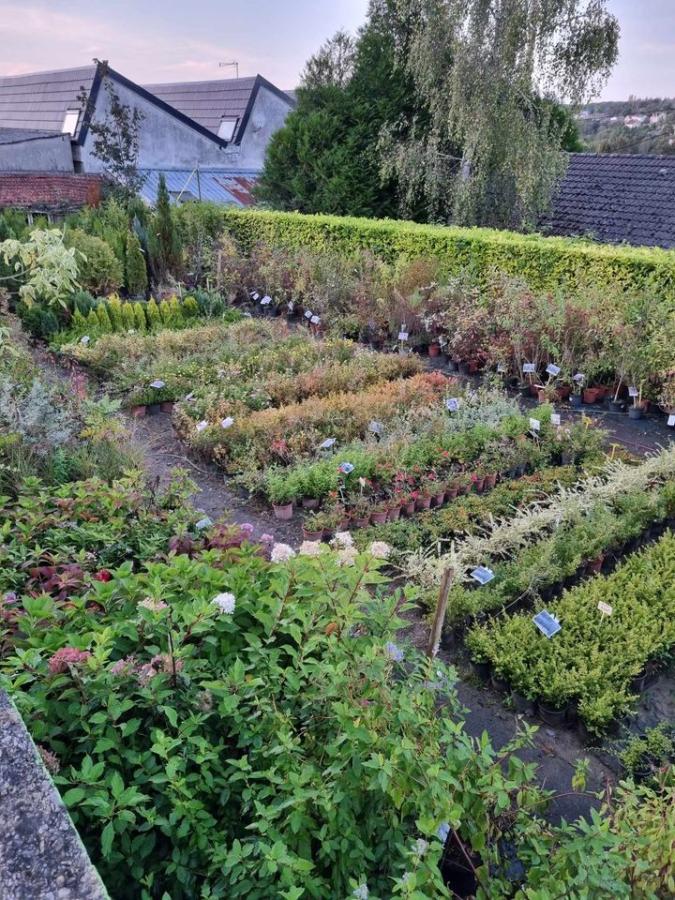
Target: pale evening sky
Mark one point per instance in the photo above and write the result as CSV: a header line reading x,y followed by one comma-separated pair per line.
x,y
165,40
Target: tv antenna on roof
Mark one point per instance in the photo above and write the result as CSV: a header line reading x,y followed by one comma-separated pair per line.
x,y
233,62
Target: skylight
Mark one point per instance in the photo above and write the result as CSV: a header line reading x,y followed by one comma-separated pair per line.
x,y
70,121
227,128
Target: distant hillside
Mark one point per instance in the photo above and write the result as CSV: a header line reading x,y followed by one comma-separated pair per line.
x,y
629,126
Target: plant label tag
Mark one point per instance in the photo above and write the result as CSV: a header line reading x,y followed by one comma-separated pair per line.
x,y
671,421
403,335
376,427
579,377
203,523
553,370
157,384
482,575
227,423
529,368
291,305
85,339
308,313
255,295
346,468
547,623
202,426
556,419
452,404
501,369
605,608
633,391
190,397
266,300
535,425
327,444
315,320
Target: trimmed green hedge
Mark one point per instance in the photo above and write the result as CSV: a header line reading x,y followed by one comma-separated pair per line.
x,y
546,263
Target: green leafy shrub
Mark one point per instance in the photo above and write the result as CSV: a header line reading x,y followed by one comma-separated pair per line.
x,y
135,271
99,270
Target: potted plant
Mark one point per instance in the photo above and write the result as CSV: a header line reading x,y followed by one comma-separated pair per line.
x,y
314,527
379,513
280,492
360,510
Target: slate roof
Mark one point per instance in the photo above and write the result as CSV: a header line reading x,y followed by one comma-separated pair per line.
x,y
39,101
20,135
229,186
616,198
208,102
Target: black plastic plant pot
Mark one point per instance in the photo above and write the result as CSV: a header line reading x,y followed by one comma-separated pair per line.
x,y
635,412
551,715
521,704
481,669
575,401
616,406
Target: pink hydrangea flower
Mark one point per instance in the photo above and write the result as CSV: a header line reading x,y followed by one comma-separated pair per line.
x,y
66,657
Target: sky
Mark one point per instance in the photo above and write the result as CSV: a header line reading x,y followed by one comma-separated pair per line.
x,y
171,40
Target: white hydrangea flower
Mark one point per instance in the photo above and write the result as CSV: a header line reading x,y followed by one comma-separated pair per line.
x,y
380,550
282,553
152,604
342,539
310,548
225,602
361,892
347,556
421,846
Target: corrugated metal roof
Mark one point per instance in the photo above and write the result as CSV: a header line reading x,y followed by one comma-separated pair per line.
x,y
20,135
208,102
616,198
228,186
39,101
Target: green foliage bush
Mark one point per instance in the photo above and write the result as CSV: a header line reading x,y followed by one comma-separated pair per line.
x,y
135,271
545,263
100,272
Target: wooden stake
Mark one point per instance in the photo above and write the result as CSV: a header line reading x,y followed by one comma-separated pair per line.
x,y
439,615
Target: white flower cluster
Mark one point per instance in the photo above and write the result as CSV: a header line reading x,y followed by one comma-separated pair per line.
x,y
379,550
226,603
311,548
342,540
152,604
282,553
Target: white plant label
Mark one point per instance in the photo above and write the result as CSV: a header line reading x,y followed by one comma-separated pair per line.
x,y
327,444
85,340
308,313
535,425
266,300
529,368
579,377
315,320
403,335
671,421
501,369
202,426
553,370
605,608
556,419
190,397
203,523
291,305
255,295
633,391
157,384
376,427
227,423
452,404
482,575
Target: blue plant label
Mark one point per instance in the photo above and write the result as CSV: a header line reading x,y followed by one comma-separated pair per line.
x,y
482,575
327,444
403,335
452,404
266,300
556,419
157,384
346,468
535,425
553,370
529,368
203,523
547,623
376,427
308,313
579,377
315,320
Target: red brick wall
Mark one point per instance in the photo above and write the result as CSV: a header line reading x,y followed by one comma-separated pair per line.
x,y
49,191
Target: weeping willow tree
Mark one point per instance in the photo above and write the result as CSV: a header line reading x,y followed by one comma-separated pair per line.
x,y
490,76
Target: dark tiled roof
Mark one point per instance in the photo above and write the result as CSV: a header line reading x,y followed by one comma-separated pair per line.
x,y
615,199
19,135
39,101
208,102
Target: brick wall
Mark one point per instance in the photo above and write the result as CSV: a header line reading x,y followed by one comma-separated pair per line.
x,y
49,190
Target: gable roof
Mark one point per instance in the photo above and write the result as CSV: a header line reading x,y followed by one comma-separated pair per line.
x,y
615,199
208,102
39,101
21,135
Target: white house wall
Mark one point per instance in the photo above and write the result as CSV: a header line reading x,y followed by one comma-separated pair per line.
x,y
165,141
49,154
267,116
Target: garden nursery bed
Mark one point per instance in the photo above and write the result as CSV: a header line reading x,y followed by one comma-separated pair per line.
x,y
400,474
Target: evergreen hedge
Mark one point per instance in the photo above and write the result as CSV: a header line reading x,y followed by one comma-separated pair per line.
x,y
545,263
